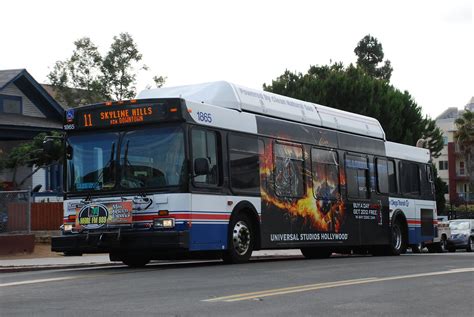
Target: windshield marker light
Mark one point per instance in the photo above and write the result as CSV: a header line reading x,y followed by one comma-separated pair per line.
x,y
163,213
164,223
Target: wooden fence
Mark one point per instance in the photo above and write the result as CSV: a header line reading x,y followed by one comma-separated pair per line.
x,y
46,216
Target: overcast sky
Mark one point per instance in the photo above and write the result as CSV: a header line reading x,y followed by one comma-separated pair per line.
x,y
430,43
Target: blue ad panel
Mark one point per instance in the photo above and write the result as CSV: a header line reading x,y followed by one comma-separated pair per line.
x,y
207,237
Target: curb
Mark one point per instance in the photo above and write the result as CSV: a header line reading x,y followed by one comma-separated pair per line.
x,y
17,269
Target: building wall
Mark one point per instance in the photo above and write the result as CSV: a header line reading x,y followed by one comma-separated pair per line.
x,y
457,181
29,109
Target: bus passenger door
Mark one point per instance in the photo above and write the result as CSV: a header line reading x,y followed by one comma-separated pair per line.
x,y
208,214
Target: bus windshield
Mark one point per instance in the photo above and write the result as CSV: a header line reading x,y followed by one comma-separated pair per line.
x,y
134,159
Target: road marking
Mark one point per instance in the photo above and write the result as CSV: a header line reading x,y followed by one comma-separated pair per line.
x,y
312,287
44,280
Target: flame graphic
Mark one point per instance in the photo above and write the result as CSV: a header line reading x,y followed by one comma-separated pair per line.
x,y
319,214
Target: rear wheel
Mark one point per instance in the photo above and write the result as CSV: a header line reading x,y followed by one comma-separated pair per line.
x,y
316,253
241,240
398,243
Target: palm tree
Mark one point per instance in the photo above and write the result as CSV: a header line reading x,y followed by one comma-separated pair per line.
x,y
464,136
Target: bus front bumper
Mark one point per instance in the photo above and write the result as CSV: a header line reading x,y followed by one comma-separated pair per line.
x,y
104,242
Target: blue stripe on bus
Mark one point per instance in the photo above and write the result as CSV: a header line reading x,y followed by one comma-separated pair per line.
x,y
208,236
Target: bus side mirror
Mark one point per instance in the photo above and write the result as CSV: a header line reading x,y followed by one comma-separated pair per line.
x,y
69,152
201,166
48,146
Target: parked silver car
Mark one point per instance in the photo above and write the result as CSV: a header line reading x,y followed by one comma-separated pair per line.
x,y
462,235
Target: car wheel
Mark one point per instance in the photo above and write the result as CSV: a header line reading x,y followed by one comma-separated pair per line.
x,y
444,245
470,245
241,240
417,248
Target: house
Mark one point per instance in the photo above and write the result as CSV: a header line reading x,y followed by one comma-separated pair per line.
x,y
27,109
451,163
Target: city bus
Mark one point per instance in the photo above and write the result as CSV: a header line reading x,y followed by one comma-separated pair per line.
x,y
218,170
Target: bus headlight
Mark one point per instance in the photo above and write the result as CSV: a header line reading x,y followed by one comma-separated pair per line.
x,y
67,228
163,223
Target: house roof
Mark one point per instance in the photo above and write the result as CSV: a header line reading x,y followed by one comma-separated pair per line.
x,y
33,90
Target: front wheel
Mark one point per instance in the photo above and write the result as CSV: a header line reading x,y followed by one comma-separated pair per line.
x,y
241,240
444,245
417,248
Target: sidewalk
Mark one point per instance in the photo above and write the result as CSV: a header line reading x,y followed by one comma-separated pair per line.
x,y
60,262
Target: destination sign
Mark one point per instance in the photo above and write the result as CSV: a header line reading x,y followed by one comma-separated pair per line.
x,y
118,115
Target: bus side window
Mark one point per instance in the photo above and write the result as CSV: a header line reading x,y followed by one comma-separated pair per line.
x,y
357,171
410,178
386,178
426,180
204,145
382,176
288,171
244,163
325,170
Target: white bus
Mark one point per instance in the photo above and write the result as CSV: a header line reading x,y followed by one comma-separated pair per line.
x,y
219,170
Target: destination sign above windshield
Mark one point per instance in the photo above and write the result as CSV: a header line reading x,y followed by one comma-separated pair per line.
x,y
101,116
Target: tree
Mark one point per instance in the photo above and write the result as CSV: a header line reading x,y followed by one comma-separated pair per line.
x,y
77,80
369,55
352,89
88,77
31,154
440,189
118,73
464,136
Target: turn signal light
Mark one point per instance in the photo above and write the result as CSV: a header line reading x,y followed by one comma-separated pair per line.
x,y
163,213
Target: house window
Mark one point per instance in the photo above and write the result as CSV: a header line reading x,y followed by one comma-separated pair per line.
x,y
443,165
445,140
461,168
10,104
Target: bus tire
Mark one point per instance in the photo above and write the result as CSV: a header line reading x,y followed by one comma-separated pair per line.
x,y
316,253
135,260
240,240
398,243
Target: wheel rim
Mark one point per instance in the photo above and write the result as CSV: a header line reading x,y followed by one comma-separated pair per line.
x,y
471,242
241,238
396,237
444,245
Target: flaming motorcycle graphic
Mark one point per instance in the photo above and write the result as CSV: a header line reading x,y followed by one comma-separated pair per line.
x,y
323,212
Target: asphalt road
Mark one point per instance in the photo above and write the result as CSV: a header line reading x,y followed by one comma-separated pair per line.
x,y
407,285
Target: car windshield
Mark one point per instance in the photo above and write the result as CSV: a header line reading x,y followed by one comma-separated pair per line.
x,y
459,225
145,158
